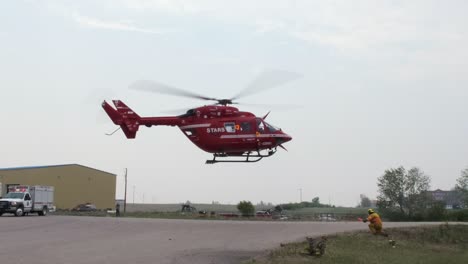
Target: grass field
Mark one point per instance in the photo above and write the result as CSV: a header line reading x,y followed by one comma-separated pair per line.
x,y
164,215
177,207
303,213
173,211
439,244
337,210
338,213
168,211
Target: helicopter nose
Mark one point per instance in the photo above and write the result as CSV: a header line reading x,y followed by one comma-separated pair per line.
x,y
284,138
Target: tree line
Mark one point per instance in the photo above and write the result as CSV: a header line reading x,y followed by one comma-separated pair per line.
x,y
247,208
404,195
315,203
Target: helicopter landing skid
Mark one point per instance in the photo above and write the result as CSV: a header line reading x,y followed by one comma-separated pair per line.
x,y
249,157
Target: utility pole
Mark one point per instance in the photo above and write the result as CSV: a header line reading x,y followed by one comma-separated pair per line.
x,y
133,194
125,197
300,194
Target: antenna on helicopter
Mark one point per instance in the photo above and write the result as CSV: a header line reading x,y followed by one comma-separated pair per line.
x,y
110,134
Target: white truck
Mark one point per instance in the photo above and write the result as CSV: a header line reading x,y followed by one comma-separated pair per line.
x,y
21,200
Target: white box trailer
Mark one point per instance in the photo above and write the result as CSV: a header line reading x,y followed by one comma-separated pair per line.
x,y
22,199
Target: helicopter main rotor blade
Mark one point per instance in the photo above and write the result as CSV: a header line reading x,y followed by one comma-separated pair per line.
x,y
156,87
273,106
267,80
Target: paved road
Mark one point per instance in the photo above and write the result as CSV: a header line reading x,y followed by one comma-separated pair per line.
x,y
80,240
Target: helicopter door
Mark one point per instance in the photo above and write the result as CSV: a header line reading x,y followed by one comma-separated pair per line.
x,y
246,127
264,140
247,133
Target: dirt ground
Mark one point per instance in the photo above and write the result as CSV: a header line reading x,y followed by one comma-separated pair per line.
x,y
71,239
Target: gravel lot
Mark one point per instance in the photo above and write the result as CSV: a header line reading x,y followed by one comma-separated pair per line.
x,y
70,239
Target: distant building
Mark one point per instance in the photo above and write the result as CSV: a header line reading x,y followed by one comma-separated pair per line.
x,y
74,184
451,199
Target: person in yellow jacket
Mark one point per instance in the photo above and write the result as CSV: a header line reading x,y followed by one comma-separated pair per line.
x,y
375,223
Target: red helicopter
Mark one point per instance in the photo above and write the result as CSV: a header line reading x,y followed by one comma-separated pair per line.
x,y
231,135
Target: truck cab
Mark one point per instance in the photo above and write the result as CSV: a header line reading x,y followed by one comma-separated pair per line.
x,y
21,200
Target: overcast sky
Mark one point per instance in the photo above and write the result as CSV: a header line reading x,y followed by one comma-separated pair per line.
x,y
384,85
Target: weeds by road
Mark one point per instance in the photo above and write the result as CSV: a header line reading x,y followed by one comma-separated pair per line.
x,y
427,244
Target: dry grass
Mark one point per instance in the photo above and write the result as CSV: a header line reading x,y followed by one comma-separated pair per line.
x,y
439,244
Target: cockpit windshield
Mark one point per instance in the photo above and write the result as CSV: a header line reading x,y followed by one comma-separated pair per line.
x,y
262,126
271,127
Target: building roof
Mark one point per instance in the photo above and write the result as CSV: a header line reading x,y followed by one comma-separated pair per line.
x,y
50,166
449,197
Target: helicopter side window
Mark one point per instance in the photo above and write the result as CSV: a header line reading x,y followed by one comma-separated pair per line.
x,y
230,127
245,127
260,126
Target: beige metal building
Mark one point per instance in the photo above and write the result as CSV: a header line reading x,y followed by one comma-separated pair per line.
x,y
74,184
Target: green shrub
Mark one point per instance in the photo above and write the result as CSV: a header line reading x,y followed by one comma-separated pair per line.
x,y
394,215
246,208
457,215
436,212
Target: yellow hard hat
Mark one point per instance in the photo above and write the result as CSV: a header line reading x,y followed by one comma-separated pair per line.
x,y
370,211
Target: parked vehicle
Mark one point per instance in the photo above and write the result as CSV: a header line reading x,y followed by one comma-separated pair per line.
x,y
263,213
327,217
22,199
228,215
85,208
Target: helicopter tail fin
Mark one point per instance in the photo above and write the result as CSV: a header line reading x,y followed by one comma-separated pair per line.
x,y
123,116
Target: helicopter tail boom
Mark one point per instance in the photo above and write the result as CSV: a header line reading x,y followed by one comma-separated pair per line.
x,y
124,117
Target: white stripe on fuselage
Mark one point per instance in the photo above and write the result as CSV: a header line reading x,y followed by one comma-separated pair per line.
x,y
253,136
238,136
195,126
